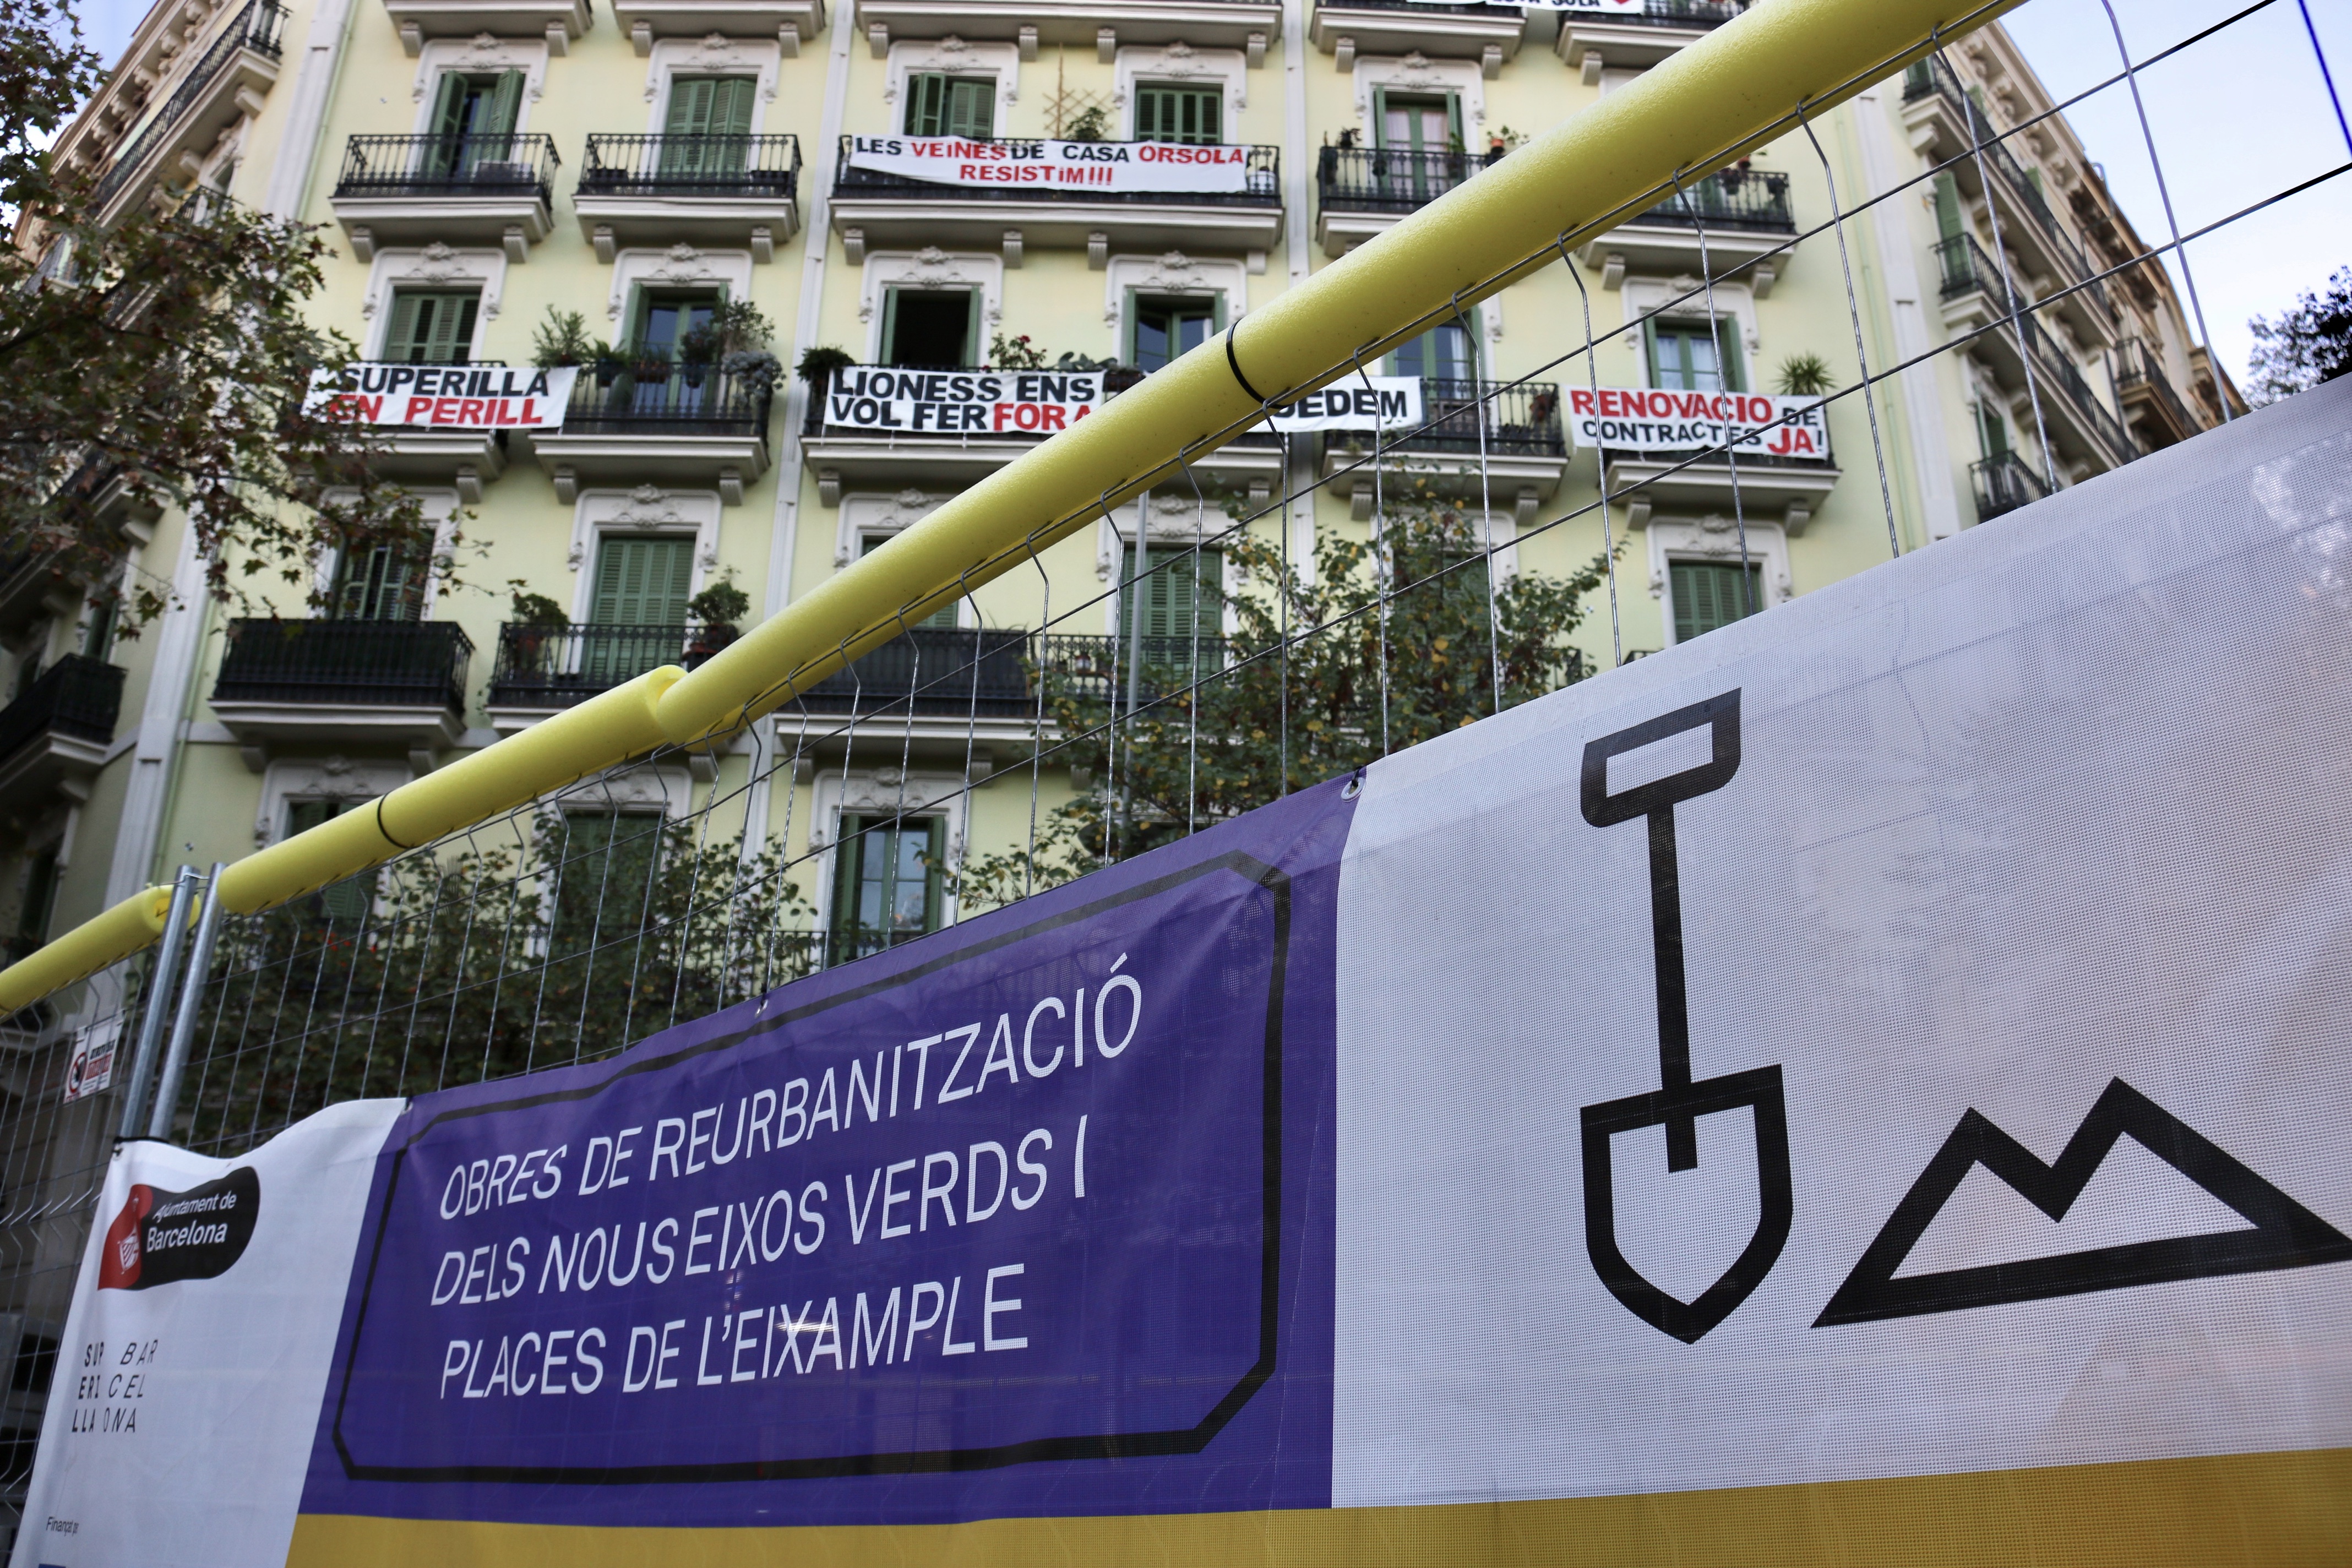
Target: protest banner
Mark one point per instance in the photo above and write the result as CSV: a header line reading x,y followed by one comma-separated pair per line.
x,y
1806,1096
1358,403
1657,419
446,397
1113,167
979,401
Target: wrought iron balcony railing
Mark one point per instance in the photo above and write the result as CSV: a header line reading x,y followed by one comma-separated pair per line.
x,y
667,397
1388,179
1262,186
257,27
1691,14
1932,77
557,666
76,695
1522,420
1734,199
2004,483
505,166
939,670
735,167
2137,375
393,664
1099,670
1964,268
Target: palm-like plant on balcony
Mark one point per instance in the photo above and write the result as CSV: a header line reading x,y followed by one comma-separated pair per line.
x,y
1806,376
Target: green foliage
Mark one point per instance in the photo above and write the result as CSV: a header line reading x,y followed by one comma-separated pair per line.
x,y
489,962
2305,346
721,603
164,357
562,339
1015,354
1805,375
1440,650
736,327
1090,124
818,364
530,609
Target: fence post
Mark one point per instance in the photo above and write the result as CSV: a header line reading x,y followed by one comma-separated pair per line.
x,y
160,976
192,996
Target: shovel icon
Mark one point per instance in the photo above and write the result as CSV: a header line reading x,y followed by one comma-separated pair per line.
x,y
1678,1104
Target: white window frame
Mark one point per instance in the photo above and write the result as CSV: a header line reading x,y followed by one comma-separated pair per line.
x,y
645,512
713,55
1650,297
433,266
1173,275
982,272
953,57
1180,65
291,781
877,792
1414,73
682,266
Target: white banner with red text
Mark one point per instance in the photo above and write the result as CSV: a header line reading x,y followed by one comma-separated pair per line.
x,y
1658,419
446,397
1112,166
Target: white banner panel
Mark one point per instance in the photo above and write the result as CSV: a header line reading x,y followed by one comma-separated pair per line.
x,y
1360,402
1987,1111
448,396
959,402
187,1387
1657,419
1109,167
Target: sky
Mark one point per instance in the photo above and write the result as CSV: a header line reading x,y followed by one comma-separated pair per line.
x,y
2236,117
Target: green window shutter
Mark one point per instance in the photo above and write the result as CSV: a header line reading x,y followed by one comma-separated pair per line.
x,y
689,105
1191,115
399,341
344,902
432,326
643,582
450,100
380,585
1727,358
951,106
942,619
1707,595
1947,207
505,106
1178,600
926,104
731,106
1453,121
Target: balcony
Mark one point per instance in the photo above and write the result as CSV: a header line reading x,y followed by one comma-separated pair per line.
x,y
461,190
2159,416
1946,126
545,670
1361,191
1524,447
227,83
1594,41
660,422
357,683
2004,484
31,589
1745,215
558,21
2087,437
848,458
737,191
55,738
791,21
1103,24
1487,33
873,209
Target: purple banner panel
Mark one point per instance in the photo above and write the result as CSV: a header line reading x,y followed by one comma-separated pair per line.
x,y
1013,1202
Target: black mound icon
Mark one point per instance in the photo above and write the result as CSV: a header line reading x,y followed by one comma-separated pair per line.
x,y
2284,1233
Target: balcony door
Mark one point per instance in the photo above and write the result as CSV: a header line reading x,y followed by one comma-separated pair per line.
x,y
667,324
639,610
939,105
432,326
1166,329
886,882
1195,116
1707,595
930,329
344,903
474,118
1180,606
1696,356
1444,359
1420,136
380,585
708,134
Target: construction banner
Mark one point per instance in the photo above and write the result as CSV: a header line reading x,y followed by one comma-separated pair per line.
x,y
1865,1086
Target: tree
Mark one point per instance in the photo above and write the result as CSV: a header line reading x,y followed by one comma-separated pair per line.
x,y
163,358
2307,345
1359,679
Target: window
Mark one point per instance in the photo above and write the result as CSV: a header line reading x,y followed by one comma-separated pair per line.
x,y
344,902
951,106
1447,352
1694,356
1180,600
98,632
602,885
665,320
1165,330
934,328
944,618
473,123
380,585
1947,207
1427,132
432,326
1992,430
1191,115
710,118
1707,595
40,898
886,882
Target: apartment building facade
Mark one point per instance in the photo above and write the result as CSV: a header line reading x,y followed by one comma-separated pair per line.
x,y
484,167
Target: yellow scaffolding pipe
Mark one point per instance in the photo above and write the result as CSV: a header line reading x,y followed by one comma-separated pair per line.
x,y
1713,100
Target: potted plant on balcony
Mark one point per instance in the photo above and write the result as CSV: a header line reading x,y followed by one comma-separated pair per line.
x,y
562,340
538,622
1806,376
714,613
819,365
